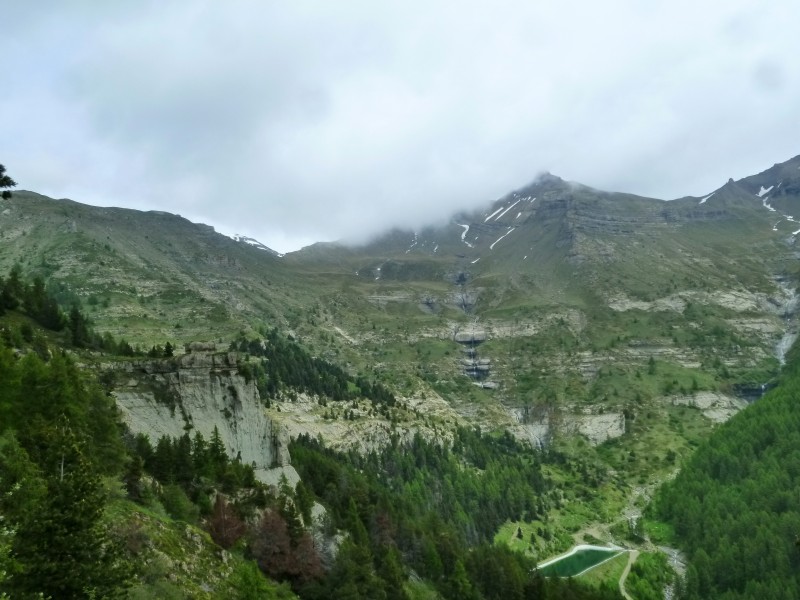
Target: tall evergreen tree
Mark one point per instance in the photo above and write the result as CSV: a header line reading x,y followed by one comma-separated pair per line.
x,y
5,183
78,328
62,547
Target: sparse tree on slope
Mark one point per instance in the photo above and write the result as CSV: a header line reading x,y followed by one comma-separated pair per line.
x,y
5,182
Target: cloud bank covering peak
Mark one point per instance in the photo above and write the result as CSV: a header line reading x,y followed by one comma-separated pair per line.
x,y
308,121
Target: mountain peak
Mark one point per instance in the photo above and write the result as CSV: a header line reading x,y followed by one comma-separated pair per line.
x,y
546,177
256,244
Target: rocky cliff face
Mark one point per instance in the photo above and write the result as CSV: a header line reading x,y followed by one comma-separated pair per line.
x,y
197,392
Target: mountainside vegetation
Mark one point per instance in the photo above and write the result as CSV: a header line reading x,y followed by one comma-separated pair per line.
x,y
460,402
69,477
734,505
88,510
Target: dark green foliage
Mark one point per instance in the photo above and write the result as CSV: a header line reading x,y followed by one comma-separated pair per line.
x,y
437,508
65,550
248,584
50,490
42,307
178,505
33,298
648,577
284,364
734,505
34,390
158,351
194,467
39,302
5,182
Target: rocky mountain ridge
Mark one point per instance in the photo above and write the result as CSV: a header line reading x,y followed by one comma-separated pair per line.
x,y
576,289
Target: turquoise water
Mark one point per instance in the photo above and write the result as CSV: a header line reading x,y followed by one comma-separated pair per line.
x,y
577,563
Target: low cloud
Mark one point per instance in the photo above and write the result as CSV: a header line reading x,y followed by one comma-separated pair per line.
x,y
318,121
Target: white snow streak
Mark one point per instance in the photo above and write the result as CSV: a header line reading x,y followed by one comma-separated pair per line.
x,y
510,229
464,234
474,261
519,214
703,201
764,190
506,210
493,214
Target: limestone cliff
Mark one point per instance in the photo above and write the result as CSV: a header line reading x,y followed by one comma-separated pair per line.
x,y
196,392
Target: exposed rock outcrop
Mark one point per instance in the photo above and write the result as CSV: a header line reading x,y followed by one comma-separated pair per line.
x,y
197,392
597,428
715,406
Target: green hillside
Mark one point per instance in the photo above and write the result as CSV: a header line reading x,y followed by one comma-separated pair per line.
x,y
548,361
90,510
733,506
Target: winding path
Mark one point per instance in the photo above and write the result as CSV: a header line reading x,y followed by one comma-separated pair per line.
x,y
632,556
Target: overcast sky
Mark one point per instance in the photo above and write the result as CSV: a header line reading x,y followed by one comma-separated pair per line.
x,y
302,121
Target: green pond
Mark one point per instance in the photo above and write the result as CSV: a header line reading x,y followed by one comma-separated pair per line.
x,y
577,563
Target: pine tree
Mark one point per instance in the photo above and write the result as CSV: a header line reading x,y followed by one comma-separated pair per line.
x,y
183,466
217,456
6,182
78,328
15,286
163,461
61,545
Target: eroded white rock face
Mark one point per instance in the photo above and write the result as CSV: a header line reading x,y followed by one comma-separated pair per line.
x,y
602,427
195,393
715,406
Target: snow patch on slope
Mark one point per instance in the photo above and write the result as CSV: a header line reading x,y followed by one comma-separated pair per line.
x,y
414,243
506,210
510,229
703,201
764,191
464,234
255,243
493,214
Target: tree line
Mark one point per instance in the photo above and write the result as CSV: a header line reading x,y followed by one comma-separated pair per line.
x,y
34,299
431,508
415,509
734,505
284,365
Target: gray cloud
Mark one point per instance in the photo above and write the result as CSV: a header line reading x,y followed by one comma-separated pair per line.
x,y
311,120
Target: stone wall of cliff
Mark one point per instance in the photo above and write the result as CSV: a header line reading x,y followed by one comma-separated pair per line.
x,y
196,392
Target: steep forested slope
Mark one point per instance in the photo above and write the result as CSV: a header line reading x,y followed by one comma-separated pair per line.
x,y
88,510
735,505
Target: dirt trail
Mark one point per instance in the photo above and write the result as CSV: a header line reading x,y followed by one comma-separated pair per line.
x,y
632,556
638,496
344,334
